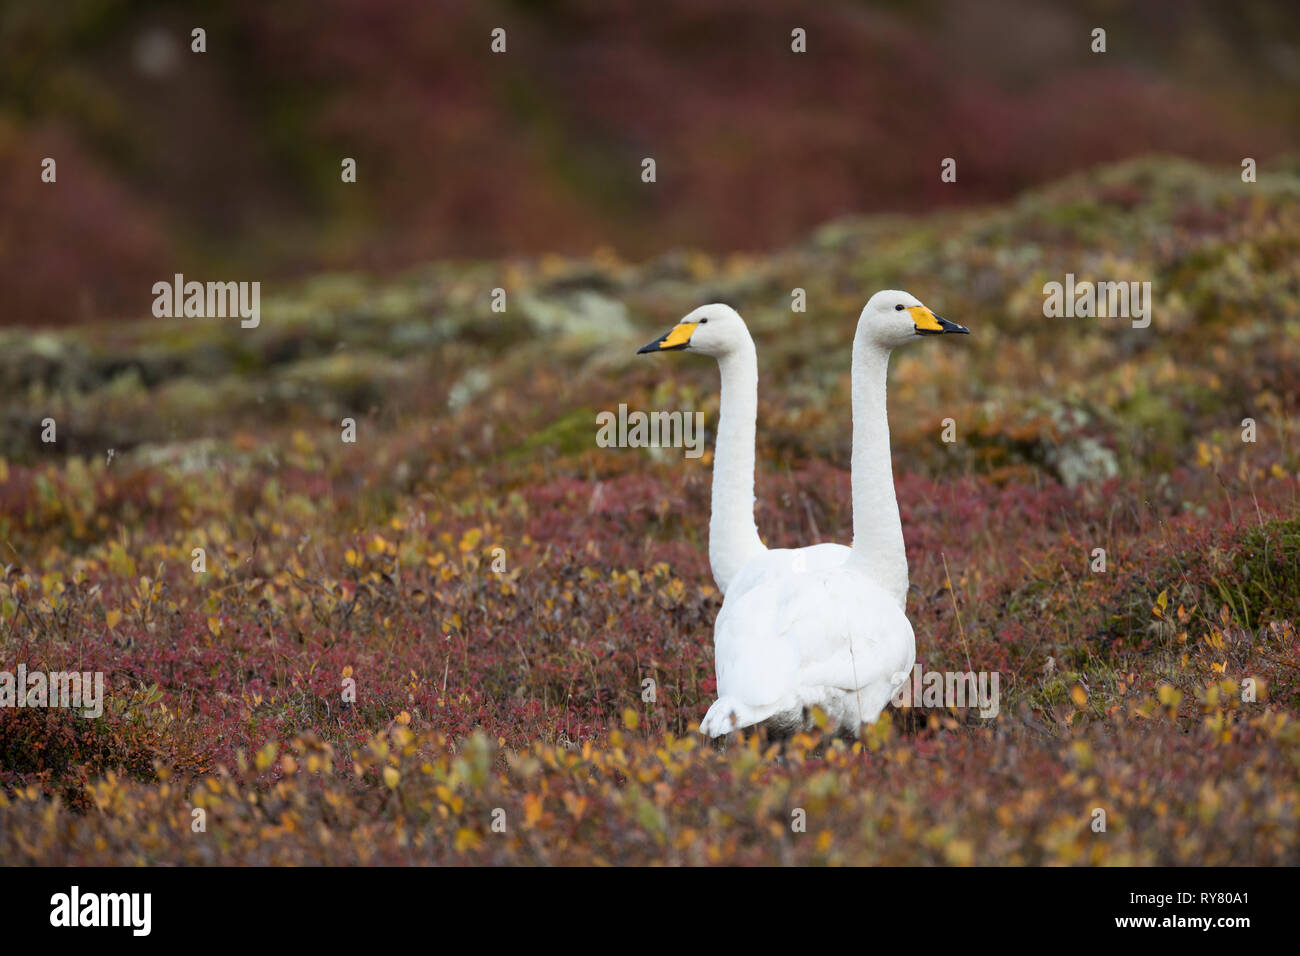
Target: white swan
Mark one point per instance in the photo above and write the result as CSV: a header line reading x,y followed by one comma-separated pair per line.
x,y
830,630
719,331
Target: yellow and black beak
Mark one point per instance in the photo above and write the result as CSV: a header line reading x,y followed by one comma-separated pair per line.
x,y
927,323
677,338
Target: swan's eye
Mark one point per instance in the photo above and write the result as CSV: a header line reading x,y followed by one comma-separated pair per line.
x,y
898,308
702,321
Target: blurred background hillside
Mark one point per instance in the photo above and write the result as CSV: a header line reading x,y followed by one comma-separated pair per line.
x,y
225,165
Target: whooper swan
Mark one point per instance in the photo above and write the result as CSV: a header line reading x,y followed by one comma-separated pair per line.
x,y
719,331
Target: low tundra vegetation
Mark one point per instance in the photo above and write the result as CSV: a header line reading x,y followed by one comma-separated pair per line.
x,y
473,636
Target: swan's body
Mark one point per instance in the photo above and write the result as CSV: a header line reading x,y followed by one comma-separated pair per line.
x,y
786,642
822,626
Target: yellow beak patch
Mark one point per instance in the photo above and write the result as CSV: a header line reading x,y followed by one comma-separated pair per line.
x,y
680,335
924,319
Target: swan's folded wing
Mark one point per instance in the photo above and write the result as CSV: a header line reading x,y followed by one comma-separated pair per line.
x,y
756,642
755,654
854,636
824,628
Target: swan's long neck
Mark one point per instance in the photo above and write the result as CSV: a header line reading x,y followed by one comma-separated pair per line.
x,y
733,536
877,529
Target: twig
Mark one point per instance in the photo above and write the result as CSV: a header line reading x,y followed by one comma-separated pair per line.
x,y
952,594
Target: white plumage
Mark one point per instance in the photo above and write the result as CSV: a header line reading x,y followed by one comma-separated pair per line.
x,y
786,641
822,626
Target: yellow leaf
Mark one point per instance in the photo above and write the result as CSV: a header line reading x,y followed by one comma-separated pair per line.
x,y
532,809
630,720
266,755
575,804
1162,602
112,618
391,777
960,853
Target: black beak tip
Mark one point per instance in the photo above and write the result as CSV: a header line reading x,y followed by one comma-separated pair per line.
x,y
658,345
952,327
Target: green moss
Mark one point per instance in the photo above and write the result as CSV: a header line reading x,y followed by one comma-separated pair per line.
x,y
571,434
1267,574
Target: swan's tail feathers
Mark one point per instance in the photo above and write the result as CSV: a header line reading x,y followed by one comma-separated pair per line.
x,y
728,714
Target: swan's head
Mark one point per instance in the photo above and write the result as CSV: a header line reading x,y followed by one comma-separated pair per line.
x,y
715,330
893,318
